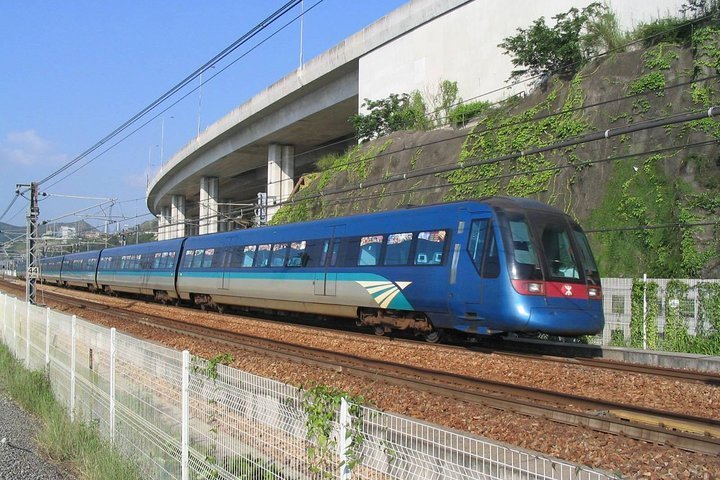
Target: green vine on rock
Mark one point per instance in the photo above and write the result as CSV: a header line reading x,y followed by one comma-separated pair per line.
x,y
499,134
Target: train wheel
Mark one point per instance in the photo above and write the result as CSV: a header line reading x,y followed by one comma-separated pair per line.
x,y
379,330
433,337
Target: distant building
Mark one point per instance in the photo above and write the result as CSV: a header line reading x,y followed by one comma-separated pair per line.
x,y
67,232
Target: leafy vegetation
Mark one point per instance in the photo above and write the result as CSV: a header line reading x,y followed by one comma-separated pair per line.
x,y
562,49
322,403
76,444
391,114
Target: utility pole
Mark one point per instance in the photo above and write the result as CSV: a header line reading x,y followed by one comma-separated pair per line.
x,y
32,224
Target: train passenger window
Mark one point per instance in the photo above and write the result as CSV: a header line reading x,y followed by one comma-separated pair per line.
x,y
430,247
297,257
248,256
157,260
197,259
219,260
170,263
370,250
279,252
208,258
187,260
324,254
262,256
398,249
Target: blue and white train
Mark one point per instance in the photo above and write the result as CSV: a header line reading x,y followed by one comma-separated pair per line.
x,y
490,266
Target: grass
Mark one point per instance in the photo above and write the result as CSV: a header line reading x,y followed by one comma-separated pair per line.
x,y
76,445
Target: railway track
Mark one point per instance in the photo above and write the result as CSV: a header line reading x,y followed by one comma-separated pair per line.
x,y
551,353
690,433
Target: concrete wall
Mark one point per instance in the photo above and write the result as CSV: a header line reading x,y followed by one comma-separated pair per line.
x,y
462,46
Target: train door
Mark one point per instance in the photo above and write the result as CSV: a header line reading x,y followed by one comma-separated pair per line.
x,y
147,262
476,280
326,281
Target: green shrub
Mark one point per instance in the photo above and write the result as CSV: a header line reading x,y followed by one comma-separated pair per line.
x,y
462,113
664,30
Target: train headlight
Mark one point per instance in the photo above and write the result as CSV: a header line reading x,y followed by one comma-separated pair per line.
x,y
525,287
595,293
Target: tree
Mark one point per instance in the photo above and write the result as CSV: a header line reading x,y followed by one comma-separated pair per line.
x,y
544,50
387,115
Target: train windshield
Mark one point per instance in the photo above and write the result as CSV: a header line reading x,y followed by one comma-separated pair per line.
x,y
561,252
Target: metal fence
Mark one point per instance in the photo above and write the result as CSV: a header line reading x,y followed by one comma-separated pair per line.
x,y
617,304
181,417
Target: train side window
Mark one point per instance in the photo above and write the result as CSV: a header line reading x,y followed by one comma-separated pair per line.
x,y
324,247
157,260
297,256
208,258
170,263
248,257
398,249
262,256
370,250
430,247
219,259
279,252
334,252
197,259
476,244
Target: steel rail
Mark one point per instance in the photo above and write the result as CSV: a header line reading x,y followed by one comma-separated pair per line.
x,y
690,433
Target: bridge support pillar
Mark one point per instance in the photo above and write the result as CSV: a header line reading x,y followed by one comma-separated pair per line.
x,y
281,169
178,216
209,190
164,224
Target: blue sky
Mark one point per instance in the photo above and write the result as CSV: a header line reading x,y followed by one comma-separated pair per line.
x,y
74,71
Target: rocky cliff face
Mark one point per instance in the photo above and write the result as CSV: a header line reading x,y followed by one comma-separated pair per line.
x,y
662,181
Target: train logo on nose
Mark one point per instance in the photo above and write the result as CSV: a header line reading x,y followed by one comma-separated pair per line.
x,y
567,290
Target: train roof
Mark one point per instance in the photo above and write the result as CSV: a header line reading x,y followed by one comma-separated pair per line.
x,y
149,247
82,255
399,218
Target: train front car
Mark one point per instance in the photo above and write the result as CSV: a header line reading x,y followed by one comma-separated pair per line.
x,y
530,270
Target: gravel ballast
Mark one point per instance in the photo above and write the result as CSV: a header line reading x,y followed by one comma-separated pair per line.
x,y
20,457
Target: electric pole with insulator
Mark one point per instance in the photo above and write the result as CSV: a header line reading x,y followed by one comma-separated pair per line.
x,y
33,269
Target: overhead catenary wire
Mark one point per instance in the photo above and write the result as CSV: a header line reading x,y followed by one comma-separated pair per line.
x,y
180,99
501,127
594,136
195,74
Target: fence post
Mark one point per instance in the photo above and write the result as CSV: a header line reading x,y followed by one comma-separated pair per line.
x,y
27,337
14,327
644,311
47,338
344,440
72,368
113,347
4,316
185,405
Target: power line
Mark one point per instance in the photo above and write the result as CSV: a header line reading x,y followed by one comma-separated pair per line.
x,y
597,135
207,65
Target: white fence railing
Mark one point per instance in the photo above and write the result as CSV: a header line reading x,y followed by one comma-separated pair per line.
x,y
161,408
617,304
